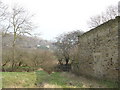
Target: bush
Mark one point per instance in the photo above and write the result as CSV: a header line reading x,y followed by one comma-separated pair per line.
x,y
28,59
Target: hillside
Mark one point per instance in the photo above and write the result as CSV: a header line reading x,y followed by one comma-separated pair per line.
x,y
26,42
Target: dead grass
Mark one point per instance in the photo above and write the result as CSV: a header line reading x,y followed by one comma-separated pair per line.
x,y
47,85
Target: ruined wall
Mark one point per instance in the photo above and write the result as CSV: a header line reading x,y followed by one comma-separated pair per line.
x,y
98,52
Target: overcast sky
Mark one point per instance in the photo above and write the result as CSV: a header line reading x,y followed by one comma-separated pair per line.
x,y
54,17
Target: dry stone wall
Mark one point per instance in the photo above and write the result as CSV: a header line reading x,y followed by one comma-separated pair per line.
x,y
98,52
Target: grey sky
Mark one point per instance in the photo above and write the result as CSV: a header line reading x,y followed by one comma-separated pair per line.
x,y
57,16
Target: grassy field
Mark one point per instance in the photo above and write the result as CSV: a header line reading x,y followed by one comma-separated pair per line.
x,y
55,80
18,79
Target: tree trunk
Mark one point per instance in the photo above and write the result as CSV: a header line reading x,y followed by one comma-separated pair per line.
x,y
13,59
67,61
60,62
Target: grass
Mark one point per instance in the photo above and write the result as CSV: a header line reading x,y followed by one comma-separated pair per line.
x,y
109,84
28,80
18,79
0,80
54,80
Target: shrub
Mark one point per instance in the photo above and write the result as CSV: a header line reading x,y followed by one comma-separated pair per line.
x,y
24,57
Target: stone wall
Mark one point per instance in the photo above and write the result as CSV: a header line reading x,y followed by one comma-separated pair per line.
x,y
98,52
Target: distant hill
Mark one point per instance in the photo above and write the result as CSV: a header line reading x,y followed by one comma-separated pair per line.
x,y
26,42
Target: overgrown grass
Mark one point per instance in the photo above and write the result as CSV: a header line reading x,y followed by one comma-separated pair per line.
x,y
109,84
29,79
40,79
18,79
56,79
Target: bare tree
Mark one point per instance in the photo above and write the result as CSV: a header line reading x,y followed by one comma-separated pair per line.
x,y
3,16
94,21
64,44
110,13
19,24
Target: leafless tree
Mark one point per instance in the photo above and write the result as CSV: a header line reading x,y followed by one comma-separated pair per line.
x,y
64,44
110,13
19,24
